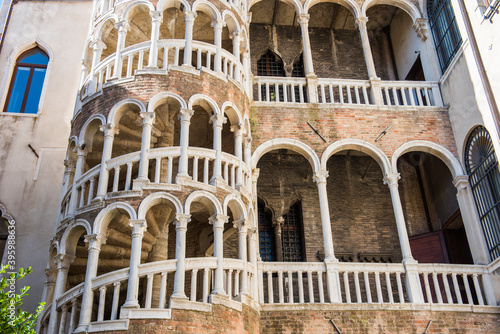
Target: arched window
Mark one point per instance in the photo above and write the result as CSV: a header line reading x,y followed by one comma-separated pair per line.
x,y
444,28
298,68
482,167
27,82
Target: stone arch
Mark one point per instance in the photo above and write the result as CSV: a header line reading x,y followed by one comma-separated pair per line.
x,y
117,110
247,129
102,28
232,112
89,129
158,98
130,8
155,199
105,216
204,101
71,235
5,215
231,21
208,199
349,4
294,3
236,206
165,4
407,6
426,146
251,217
291,144
207,8
356,145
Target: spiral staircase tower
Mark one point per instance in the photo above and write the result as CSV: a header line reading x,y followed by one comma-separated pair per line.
x,y
160,152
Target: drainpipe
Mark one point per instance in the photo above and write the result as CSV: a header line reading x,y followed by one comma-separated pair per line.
x,y
480,67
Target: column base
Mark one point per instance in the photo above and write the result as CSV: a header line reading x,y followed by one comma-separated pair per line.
x,y
139,183
180,178
125,310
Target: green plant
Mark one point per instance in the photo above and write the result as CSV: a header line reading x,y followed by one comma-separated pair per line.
x,y
12,318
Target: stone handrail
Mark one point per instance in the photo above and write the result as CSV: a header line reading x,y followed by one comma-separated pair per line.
x,y
70,294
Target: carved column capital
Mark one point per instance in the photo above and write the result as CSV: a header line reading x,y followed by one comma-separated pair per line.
x,y
218,120
110,130
185,114
391,179
95,241
218,220
320,176
148,117
138,226
181,221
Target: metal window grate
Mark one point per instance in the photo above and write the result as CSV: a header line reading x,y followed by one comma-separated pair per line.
x,y
270,65
291,235
267,245
445,31
482,167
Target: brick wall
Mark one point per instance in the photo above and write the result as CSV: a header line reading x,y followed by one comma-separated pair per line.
x,y
378,321
336,53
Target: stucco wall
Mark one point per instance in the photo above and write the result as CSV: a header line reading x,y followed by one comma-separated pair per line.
x,y
30,186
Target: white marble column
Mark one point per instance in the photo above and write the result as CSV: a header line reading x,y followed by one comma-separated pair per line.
x,y
236,53
367,51
246,69
217,120
472,224
97,48
189,17
69,173
391,179
48,292
138,228
156,19
81,154
147,124
122,28
306,44
62,262
412,280
252,258
247,151
320,178
242,226
218,221
109,134
238,152
94,241
181,222
218,25
185,120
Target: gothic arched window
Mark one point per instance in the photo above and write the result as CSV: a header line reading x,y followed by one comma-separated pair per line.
x,y
444,28
298,68
482,167
27,82
270,65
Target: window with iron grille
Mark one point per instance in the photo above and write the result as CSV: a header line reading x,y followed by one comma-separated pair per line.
x,y
267,245
298,68
291,235
482,167
444,28
270,65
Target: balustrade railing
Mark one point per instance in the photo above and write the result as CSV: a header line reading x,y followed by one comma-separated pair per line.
x,y
372,283
276,89
344,91
453,284
170,53
163,168
348,92
68,308
411,93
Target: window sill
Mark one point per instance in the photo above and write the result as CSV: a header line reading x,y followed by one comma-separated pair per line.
x,y
18,114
